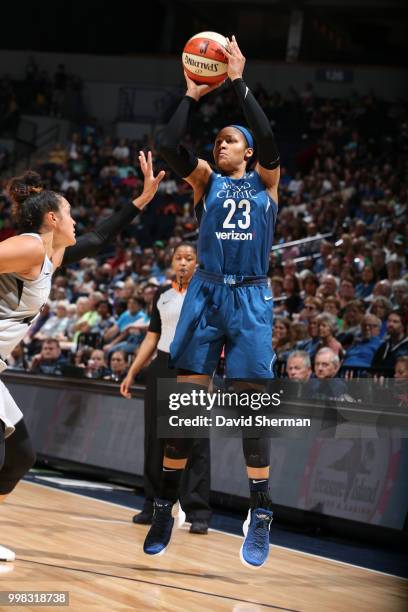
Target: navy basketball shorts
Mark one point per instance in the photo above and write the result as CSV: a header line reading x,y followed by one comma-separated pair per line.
x,y
231,312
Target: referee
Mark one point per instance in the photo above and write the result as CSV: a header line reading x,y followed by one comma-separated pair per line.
x,y
195,486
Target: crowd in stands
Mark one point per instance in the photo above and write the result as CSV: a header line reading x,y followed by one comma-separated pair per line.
x,y
40,93
344,290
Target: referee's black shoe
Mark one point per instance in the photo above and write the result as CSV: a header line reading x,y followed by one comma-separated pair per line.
x,y
144,517
199,526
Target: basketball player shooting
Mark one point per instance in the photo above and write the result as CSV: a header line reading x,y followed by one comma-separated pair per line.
x,y
228,302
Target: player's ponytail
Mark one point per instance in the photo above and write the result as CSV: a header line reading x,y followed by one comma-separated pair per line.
x,y
30,202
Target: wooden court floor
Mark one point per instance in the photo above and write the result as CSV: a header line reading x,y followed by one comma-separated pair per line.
x,y
67,542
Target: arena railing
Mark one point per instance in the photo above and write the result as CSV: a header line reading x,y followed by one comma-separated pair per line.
x,y
347,372
301,241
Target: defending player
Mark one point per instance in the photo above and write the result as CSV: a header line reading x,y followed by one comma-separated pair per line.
x,y
228,301
27,263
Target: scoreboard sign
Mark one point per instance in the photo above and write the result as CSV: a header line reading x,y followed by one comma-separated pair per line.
x,y
334,75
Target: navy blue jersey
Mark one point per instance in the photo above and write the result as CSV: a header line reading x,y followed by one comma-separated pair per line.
x,y
237,221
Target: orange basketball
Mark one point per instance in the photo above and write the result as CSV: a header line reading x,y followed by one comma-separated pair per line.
x,y
204,59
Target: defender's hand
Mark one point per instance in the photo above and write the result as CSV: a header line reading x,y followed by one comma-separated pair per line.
x,y
151,182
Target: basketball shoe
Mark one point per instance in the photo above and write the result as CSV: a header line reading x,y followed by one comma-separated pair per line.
x,y
255,548
6,554
159,535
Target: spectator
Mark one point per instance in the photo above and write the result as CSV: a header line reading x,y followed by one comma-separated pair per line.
x,y
282,337
401,368
96,366
332,305
17,359
353,314
395,344
346,291
399,291
382,289
311,344
128,332
327,326
362,351
328,286
121,151
381,308
118,366
105,321
378,264
310,284
56,325
49,361
326,364
365,287
312,307
299,366
293,301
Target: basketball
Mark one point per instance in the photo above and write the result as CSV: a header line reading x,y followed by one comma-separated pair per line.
x,y
204,59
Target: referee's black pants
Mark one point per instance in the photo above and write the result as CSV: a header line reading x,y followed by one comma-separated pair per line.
x,y
195,483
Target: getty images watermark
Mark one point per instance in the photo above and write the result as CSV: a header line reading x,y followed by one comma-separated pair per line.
x,y
285,408
201,413
223,399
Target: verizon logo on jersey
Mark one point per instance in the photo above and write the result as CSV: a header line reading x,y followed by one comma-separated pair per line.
x,y
234,235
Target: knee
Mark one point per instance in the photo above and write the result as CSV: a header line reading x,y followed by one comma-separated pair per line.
x,y
257,452
178,449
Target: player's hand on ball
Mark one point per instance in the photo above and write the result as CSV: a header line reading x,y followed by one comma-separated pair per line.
x,y
196,91
236,61
151,182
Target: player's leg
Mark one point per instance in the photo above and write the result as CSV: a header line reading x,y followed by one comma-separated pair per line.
x,y
250,358
176,454
195,487
255,548
153,445
17,456
195,352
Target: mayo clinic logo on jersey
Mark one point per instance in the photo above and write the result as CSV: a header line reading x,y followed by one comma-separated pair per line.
x,y
231,190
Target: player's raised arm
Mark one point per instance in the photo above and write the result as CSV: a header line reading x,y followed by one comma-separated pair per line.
x,y
91,243
266,148
182,161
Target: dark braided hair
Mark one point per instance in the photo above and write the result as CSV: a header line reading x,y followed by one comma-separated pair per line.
x,y
30,202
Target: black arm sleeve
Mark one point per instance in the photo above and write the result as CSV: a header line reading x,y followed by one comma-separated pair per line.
x,y
267,150
182,161
91,243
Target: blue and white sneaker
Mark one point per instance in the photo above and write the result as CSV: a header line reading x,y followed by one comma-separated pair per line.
x,y
255,548
159,535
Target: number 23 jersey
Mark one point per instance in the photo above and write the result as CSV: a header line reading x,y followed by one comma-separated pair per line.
x,y
237,221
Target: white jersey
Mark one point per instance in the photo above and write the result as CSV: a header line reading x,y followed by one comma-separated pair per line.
x,y
20,303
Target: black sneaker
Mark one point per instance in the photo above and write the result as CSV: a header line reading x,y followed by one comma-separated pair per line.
x,y
199,526
144,517
159,534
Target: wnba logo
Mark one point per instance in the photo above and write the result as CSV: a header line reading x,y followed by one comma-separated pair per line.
x,y
204,46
